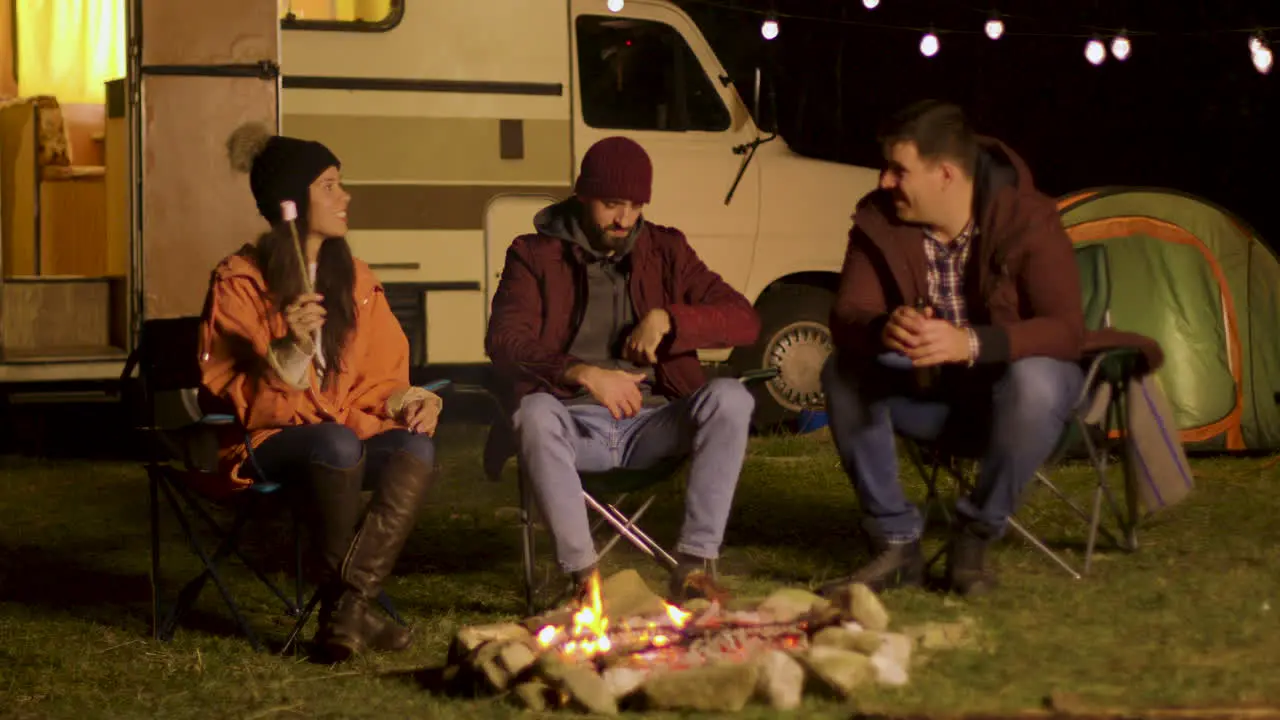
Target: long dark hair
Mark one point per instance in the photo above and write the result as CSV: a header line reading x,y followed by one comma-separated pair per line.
x,y
335,280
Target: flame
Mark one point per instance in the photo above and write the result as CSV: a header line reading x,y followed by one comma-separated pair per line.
x,y
590,634
679,617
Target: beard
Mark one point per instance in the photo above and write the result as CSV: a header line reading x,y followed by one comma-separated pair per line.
x,y
612,238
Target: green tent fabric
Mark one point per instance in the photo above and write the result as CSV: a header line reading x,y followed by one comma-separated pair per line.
x,y
1201,282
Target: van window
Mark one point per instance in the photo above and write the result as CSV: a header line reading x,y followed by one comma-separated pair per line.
x,y
642,75
357,15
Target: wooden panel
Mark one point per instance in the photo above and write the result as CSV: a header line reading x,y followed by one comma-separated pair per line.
x,y
117,194
85,124
195,208
18,187
208,33
51,314
73,231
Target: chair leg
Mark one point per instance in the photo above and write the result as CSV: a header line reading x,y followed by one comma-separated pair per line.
x,y
303,616
211,572
634,535
527,534
153,483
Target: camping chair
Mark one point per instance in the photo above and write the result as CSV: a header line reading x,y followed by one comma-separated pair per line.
x,y
1097,425
183,446
622,485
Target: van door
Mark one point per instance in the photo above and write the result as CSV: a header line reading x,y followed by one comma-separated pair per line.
x,y
197,72
648,74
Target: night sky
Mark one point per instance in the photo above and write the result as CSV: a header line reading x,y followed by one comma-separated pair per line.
x,y
1187,110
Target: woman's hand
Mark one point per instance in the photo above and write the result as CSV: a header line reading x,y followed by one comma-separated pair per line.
x,y
422,414
304,317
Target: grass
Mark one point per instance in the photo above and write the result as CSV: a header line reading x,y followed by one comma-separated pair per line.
x,y
1189,620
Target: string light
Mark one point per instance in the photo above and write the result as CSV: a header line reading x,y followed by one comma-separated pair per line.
x,y
1095,52
616,5
995,26
769,28
929,44
1256,43
871,4
1263,60
1121,47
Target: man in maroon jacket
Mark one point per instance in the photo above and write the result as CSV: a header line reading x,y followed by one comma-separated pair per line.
x,y
990,360
594,329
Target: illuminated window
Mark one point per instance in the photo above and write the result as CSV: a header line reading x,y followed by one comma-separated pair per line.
x,y
341,14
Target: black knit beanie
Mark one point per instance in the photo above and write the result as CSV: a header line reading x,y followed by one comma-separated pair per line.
x,y
280,168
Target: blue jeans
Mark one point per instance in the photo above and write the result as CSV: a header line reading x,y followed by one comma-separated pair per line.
x,y
1013,416
556,442
286,455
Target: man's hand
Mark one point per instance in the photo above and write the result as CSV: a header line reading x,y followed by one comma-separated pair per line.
x,y
642,346
939,342
616,390
902,332
423,414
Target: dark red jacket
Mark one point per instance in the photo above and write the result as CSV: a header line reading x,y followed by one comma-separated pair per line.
x,y
1023,287
542,294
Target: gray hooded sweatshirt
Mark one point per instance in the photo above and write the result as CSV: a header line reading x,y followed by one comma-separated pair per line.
x,y
609,316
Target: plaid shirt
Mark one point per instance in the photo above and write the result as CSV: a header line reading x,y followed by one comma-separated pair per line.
x,y
946,266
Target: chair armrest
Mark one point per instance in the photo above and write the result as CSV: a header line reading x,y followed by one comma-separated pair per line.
x,y
218,419
754,377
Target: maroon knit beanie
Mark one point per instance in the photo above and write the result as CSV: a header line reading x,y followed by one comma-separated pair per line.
x,y
616,168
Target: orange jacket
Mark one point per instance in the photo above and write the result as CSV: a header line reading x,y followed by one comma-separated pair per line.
x,y
239,323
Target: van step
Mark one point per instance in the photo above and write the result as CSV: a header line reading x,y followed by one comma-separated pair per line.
x,y
44,356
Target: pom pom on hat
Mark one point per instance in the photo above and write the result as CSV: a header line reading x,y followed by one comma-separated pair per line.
x,y
281,169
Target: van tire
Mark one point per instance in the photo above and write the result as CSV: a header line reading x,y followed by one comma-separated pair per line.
x,y
796,339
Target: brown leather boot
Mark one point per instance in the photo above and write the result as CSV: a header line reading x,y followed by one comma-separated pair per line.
x,y
332,506
355,628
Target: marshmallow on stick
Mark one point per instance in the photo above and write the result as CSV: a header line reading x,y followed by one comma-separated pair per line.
x,y
289,212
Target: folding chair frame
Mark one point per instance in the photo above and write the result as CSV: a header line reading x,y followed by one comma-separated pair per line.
x,y
625,526
1112,369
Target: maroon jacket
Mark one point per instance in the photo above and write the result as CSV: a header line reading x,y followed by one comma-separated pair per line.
x,y
1022,289
542,292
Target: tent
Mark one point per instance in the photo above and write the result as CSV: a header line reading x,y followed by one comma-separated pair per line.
x,y
1198,280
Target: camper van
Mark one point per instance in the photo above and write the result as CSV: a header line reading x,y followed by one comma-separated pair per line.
x,y
456,121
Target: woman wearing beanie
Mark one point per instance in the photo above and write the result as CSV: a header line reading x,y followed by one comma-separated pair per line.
x,y
315,366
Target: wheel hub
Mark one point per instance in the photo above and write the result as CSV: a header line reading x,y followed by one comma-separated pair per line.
x,y
798,352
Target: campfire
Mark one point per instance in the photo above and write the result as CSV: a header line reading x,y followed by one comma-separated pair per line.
x,y
625,647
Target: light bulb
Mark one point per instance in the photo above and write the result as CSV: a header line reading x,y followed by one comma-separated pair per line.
x,y
1095,52
769,29
929,45
1256,43
1121,47
616,5
871,4
995,28
1263,60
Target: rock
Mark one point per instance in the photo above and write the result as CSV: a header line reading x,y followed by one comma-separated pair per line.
x,y
788,604
515,657
487,662
720,687
841,671
625,595
889,672
942,636
473,636
534,695
587,691
862,606
697,605
838,637
895,647
781,681
622,681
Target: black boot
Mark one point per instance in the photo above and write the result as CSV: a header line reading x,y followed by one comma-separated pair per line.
x,y
966,560
387,524
892,565
695,578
